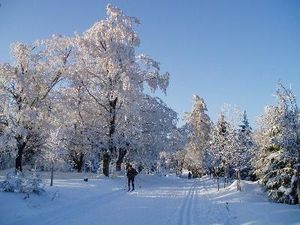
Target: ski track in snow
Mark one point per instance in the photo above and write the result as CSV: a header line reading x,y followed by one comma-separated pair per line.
x,y
198,207
157,201
185,211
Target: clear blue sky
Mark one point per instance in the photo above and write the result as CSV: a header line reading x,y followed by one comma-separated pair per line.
x,y
225,51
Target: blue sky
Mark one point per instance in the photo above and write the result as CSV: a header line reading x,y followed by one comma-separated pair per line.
x,y
225,51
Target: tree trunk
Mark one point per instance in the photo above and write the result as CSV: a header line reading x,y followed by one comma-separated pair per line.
x,y
106,160
122,153
52,170
111,131
80,163
21,146
19,161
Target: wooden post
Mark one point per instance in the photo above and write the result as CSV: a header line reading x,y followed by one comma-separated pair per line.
x,y
298,177
224,176
298,182
238,176
52,169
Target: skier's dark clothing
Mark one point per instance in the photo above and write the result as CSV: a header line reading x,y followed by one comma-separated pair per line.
x,y
190,175
131,173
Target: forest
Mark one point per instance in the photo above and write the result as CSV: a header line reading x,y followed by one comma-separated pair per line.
x,y
87,103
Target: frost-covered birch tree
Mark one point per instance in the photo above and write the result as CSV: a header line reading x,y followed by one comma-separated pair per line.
x,y
101,106
155,131
200,126
112,73
27,84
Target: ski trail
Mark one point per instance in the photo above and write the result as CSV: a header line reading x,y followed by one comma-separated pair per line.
x,y
186,211
191,207
199,207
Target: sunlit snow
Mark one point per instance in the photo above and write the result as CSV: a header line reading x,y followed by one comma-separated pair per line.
x,y
156,201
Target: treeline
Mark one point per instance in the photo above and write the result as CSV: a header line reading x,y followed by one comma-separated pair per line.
x,y
230,148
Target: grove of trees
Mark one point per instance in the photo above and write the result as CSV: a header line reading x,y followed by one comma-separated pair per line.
x,y
82,99
87,102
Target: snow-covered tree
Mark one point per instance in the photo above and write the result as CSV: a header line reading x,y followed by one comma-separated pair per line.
x,y
200,125
53,151
223,145
27,83
112,73
245,151
155,131
278,140
100,107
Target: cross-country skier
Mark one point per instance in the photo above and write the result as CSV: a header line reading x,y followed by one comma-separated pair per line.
x,y
131,173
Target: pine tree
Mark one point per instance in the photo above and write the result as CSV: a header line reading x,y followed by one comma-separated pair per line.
x,y
278,140
223,145
245,151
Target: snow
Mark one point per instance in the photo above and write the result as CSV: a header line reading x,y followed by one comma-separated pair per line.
x,y
158,200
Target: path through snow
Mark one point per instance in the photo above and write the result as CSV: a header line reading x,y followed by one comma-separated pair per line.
x,y
157,201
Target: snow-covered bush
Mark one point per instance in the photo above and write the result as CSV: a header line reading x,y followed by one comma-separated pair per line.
x,y
17,182
276,173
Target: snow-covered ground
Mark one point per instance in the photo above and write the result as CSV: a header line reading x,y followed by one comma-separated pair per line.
x,y
156,201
